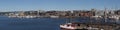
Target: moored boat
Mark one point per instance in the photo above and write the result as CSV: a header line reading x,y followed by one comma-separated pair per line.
x,y
87,26
54,16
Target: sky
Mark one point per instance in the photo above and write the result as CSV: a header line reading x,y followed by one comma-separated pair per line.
x,y
26,5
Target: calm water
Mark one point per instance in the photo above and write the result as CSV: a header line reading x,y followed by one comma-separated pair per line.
x,y
35,23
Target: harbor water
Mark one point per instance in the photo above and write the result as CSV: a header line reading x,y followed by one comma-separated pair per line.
x,y
39,23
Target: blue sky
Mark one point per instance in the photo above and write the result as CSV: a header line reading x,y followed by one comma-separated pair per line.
x,y
19,5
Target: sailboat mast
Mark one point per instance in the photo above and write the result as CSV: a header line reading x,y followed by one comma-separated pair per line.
x,y
105,15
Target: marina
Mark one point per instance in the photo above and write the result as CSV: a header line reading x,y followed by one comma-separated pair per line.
x,y
59,14
41,23
82,20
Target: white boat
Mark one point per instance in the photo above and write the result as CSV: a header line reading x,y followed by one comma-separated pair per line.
x,y
30,16
76,26
114,17
26,16
54,16
97,16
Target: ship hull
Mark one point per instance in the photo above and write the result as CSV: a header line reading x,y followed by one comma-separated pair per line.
x,y
72,29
